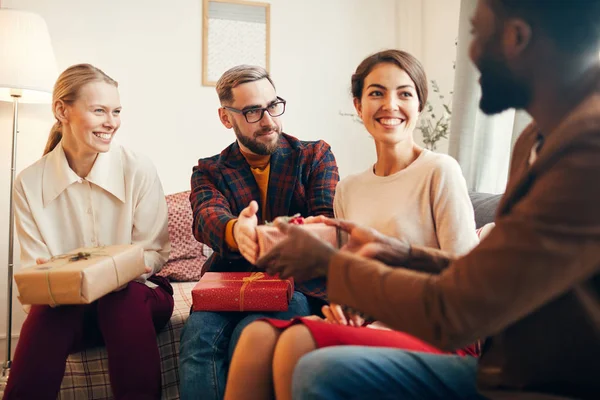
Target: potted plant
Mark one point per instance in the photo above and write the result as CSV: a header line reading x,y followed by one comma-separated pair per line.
x,y
433,126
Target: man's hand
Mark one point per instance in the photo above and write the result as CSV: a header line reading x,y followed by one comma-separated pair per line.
x,y
244,232
301,255
369,243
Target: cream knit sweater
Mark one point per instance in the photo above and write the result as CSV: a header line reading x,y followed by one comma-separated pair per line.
x,y
427,203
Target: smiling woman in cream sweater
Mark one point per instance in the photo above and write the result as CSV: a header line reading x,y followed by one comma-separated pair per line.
x,y
410,193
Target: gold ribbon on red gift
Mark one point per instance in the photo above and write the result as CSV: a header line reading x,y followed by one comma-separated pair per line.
x,y
247,280
254,276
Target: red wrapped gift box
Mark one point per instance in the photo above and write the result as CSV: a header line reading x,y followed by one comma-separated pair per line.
x,y
241,291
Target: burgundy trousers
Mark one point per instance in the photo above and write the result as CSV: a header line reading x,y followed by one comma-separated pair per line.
x,y
126,322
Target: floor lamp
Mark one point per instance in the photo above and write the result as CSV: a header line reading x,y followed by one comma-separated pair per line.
x,y
27,75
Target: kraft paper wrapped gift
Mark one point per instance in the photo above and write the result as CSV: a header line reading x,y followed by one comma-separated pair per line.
x,y
80,276
242,291
268,236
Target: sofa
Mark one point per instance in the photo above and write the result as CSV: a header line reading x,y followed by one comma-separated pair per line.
x,y
86,374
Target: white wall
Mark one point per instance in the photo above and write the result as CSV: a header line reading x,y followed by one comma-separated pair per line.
x,y
153,48
428,29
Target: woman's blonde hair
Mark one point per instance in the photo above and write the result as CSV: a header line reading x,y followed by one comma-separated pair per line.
x,y
66,89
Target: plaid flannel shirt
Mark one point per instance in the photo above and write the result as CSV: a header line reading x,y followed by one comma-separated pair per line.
x,y
302,180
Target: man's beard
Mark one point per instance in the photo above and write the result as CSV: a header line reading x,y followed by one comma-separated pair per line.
x,y
500,89
254,145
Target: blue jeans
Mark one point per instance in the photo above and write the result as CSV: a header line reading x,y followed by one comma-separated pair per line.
x,y
357,372
207,343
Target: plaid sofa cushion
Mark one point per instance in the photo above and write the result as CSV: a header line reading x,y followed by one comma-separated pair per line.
x,y
86,374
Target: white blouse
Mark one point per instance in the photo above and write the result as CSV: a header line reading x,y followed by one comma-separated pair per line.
x,y
121,201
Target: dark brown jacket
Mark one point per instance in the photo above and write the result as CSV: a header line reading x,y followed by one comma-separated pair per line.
x,y
532,286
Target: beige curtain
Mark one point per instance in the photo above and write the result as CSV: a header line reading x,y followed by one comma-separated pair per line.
x,y
481,144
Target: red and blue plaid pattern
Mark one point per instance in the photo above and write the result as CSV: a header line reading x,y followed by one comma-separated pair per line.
x,y
302,181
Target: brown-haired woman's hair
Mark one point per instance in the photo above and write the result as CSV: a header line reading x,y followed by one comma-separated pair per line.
x,y
66,89
403,60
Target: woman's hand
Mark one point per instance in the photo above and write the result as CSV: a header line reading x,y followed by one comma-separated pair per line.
x,y
148,270
334,314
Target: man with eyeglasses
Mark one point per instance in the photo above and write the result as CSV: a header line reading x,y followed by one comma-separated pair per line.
x,y
264,174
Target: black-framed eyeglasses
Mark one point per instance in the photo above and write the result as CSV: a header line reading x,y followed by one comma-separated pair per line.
x,y
254,115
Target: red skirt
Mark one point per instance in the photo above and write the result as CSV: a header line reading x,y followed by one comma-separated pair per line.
x,y
326,334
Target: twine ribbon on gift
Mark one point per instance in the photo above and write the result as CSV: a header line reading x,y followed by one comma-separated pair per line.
x,y
74,257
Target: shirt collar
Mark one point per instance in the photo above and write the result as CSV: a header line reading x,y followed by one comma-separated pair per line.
x,y
106,173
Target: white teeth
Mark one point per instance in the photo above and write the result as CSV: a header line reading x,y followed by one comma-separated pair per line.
x,y
390,121
104,136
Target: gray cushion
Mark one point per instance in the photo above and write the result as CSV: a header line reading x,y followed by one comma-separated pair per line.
x,y
485,206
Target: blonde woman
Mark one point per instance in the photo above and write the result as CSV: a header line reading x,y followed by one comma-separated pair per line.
x,y
88,191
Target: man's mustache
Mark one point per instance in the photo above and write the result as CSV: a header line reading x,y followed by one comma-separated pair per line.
x,y
265,130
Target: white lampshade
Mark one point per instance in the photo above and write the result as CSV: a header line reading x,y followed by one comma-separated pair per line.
x,y
27,63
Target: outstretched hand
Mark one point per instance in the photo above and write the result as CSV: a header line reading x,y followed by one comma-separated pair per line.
x,y
301,255
304,256
244,232
368,242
